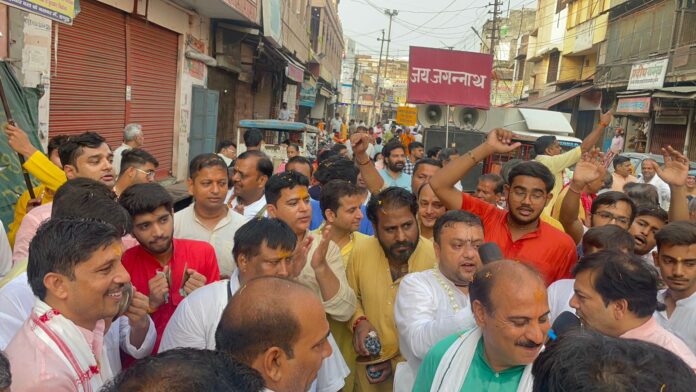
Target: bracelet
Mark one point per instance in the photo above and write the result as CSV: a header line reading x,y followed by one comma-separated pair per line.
x,y
603,124
358,321
362,163
570,188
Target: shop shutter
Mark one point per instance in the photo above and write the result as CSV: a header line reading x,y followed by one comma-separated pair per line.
x,y
152,75
663,135
88,75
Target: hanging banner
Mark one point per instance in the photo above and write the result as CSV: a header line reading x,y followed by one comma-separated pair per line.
x,y
62,11
449,77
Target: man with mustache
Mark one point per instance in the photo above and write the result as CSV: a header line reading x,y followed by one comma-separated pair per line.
x,y
263,247
394,163
76,274
433,304
251,171
83,156
423,168
616,295
509,303
208,218
676,259
165,268
375,270
519,232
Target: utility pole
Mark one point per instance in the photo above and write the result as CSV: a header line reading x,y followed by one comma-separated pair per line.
x,y
379,70
391,14
354,87
494,30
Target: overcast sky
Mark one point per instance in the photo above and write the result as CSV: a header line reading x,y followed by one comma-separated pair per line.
x,y
430,23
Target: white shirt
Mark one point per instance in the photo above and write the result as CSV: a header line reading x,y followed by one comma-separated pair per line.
x,y
663,190
5,252
336,125
226,159
559,293
187,226
284,115
252,210
196,319
683,320
117,158
425,313
17,300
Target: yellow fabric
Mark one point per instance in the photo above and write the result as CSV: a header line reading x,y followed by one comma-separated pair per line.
x,y
342,331
557,164
17,269
50,175
556,212
553,222
369,276
43,193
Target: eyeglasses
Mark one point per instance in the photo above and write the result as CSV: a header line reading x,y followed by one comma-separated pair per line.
x,y
611,217
150,174
535,196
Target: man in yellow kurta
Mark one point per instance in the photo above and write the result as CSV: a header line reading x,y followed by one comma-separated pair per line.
x,y
46,169
376,267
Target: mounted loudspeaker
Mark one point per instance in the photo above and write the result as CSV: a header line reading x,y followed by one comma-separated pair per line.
x,y
469,118
432,115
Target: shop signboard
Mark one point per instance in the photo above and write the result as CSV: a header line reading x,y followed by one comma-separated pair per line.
x,y
640,105
648,76
62,11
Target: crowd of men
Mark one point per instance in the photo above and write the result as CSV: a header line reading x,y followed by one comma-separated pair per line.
x,y
366,269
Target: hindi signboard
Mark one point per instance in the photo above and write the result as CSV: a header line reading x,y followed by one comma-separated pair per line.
x,y
406,116
640,105
62,11
449,77
649,75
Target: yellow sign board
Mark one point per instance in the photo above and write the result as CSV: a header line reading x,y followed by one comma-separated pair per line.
x,y
406,116
62,11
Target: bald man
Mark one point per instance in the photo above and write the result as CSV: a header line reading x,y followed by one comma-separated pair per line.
x,y
279,328
511,310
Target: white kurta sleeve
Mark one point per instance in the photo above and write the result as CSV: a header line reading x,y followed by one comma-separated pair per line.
x,y
333,370
127,347
16,301
186,328
415,313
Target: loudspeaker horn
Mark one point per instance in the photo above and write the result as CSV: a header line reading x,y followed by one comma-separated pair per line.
x,y
430,115
469,118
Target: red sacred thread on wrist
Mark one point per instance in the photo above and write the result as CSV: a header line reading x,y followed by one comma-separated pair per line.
x,y
358,321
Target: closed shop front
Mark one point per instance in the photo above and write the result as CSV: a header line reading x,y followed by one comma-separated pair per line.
x,y
111,69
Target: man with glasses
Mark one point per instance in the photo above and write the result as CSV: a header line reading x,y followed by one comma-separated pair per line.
x,y
137,167
549,153
519,232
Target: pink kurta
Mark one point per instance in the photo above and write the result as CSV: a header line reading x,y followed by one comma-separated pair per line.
x,y
652,332
37,368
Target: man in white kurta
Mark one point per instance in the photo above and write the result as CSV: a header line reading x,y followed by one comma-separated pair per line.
x,y
434,304
196,319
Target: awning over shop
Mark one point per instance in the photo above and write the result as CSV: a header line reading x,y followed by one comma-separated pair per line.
x,y
685,92
547,101
294,70
325,92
